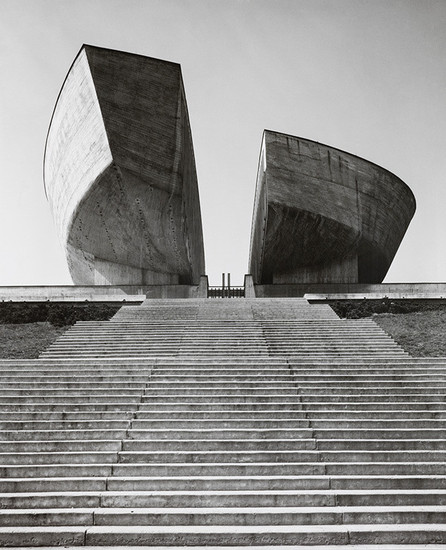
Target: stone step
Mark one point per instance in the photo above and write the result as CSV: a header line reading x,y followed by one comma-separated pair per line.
x,y
282,381
146,343
46,446
70,398
221,373
162,425
207,388
42,384
393,398
117,341
253,535
313,364
282,455
90,434
216,398
58,457
43,426
246,445
366,385
261,405
37,470
351,433
75,406
222,483
337,515
321,419
232,389
289,330
52,391
390,399
143,321
224,498
267,387
360,427
220,433
66,416
162,384
225,469
359,389
65,381
185,375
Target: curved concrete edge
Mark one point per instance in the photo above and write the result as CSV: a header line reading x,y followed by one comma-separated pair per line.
x,y
322,215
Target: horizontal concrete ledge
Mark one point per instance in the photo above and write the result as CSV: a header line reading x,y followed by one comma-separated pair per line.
x,y
100,298
100,293
294,547
375,296
137,294
344,291
276,547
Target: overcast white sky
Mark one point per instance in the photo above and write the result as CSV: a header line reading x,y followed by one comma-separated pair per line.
x,y
366,76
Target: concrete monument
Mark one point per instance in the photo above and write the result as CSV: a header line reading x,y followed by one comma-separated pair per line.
x,y
322,215
119,172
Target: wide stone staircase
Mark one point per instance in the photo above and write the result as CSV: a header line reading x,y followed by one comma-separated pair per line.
x,y
230,422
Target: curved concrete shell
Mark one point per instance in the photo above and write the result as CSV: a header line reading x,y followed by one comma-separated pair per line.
x,y
119,172
322,215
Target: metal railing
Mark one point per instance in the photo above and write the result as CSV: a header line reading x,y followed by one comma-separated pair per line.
x,y
226,290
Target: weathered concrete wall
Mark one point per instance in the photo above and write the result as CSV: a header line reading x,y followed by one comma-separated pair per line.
x,y
77,148
120,172
324,215
409,290
98,293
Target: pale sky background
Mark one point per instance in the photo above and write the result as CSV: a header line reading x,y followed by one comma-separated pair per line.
x,y
366,76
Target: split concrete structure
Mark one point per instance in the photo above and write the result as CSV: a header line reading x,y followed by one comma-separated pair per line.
x,y
322,215
120,174
186,421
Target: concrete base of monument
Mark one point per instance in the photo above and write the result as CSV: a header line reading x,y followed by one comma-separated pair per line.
x,y
137,294
101,293
349,291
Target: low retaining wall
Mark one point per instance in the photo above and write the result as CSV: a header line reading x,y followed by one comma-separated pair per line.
x,y
101,293
419,291
137,294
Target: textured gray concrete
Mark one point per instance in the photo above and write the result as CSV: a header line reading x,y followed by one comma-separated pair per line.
x,y
102,293
240,422
426,291
322,215
138,293
120,173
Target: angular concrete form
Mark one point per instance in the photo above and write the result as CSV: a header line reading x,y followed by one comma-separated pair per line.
x,y
120,175
322,215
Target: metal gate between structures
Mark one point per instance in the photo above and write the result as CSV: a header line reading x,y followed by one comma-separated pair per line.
x,y
226,290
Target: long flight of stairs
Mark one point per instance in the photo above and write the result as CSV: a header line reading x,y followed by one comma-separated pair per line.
x,y
231,422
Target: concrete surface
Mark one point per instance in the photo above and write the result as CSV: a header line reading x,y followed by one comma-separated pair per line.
x,y
101,293
236,422
412,291
120,175
322,215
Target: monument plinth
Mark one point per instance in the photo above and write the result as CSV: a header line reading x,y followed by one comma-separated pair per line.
x,y
322,215
120,174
